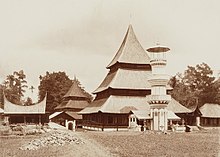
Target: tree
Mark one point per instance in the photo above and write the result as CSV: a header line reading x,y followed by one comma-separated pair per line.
x,y
14,86
216,86
1,97
56,85
83,89
195,86
28,101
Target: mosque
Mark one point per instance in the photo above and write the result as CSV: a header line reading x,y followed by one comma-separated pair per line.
x,y
135,91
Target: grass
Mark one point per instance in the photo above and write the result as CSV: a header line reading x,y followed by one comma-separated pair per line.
x,y
203,143
198,144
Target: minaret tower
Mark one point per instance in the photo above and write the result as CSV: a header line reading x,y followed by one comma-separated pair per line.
x,y
159,99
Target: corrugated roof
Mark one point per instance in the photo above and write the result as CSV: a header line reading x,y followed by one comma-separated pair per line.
x,y
135,79
73,104
75,91
114,104
210,110
130,51
10,108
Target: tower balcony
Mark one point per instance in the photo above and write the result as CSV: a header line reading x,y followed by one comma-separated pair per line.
x,y
159,80
158,62
159,99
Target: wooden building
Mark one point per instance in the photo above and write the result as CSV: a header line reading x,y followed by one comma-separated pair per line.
x,y
67,112
32,114
124,88
1,115
210,115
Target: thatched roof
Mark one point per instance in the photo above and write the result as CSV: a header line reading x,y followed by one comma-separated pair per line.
x,y
130,51
210,110
72,104
115,104
135,79
75,91
10,108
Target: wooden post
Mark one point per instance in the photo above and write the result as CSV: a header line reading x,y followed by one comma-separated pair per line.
x,y
24,119
39,119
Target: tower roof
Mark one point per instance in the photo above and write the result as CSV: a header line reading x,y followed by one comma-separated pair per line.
x,y
130,51
75,91
158,49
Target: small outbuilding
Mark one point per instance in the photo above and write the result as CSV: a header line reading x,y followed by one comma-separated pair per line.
x,y
210,115
67,112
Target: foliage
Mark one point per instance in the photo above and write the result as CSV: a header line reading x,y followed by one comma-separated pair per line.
x,y
86,93
14,86
56,85
195,86
216,86
28,102
1,97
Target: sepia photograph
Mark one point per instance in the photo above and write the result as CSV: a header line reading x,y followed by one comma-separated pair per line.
x,y
101,78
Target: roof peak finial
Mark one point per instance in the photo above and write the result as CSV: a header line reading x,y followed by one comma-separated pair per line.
x,y
157,43
75,77
130,19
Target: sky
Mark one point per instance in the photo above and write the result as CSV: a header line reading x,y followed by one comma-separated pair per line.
x,y
81,37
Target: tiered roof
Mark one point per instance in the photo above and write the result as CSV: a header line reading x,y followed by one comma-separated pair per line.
x,y
125,79
130,51
75,91
75,98
73,104
117,104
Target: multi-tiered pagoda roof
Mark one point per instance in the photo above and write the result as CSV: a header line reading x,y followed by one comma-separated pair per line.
x,y
126,84
74,100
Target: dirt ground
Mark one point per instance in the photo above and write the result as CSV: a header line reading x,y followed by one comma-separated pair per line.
x,y
106,144
9,147
193,144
